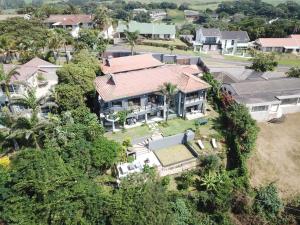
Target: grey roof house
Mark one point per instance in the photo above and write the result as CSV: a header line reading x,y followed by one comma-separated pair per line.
x,y
212,39
148,30
268,95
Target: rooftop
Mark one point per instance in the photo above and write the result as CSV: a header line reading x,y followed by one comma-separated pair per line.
x,y
28,69
129,63
279,42
235,35
128,84
147,28
210,32
265,90
73,19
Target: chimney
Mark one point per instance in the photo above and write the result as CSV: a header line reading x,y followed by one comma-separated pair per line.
x,y
107,63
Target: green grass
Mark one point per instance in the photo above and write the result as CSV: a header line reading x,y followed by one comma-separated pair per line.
x,y
176,15
179,125
289,60
132,133
177,42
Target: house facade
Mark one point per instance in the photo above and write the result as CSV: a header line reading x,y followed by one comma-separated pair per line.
x,y
36,73
290,44
267,99
133,84
212,39
147,30
71,22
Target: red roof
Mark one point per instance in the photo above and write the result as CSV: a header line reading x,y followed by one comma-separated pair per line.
x,y
129,63
128,84
28,69
278,42
295,36
73,19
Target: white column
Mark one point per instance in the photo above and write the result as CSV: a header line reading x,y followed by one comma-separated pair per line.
x,y
113,126
165,107
146,117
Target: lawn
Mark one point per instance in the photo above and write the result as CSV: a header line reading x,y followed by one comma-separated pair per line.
x,y
289,60
174,154
179,125
176,15
176,42
132,133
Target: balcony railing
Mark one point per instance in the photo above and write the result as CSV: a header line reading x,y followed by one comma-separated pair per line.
x,y
134,109
193,99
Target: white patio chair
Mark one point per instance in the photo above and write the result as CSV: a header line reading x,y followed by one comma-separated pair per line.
x,y
214,143
201,145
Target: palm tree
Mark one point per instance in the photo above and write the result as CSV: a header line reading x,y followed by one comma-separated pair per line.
x,y
5,79
31,101
7,48
55,42
168,90
132,38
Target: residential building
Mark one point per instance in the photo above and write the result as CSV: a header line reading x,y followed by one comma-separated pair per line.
x,y
191,15
229,42
108,32
268,95
291,44
207,39
36,73
234,41
148,30
267,99
133,83
73,22
158,14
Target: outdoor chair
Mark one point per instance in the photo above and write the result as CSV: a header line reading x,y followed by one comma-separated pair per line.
x,y
201,145
214,143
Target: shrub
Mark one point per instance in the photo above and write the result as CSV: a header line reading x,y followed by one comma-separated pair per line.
x,y
211,162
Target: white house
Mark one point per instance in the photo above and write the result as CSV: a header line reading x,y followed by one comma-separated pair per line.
x,y
212,39
36,73
108,32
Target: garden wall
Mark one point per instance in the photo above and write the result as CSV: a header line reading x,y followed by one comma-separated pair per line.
x,y
171,140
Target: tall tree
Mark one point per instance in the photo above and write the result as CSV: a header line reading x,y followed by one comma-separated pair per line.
x,y
168,90
263,62
5,79
102,18
132,38
7,48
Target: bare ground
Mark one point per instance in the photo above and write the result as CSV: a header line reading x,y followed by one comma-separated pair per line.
x,y
277,158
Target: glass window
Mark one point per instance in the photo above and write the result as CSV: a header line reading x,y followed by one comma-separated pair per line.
x,y
289,101
259,108
117,103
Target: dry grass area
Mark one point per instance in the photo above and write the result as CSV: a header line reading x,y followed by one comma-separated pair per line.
x,y
277,158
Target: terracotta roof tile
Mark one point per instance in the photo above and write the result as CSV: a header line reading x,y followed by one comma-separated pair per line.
x,y
278,42
72,19
134,83
130,63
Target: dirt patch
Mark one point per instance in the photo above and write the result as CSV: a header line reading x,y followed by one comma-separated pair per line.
x,y
277,157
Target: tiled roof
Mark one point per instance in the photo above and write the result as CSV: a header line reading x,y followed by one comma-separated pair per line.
x,y
28,69
235,35
147,28
129,63
278,42
295,36
134,83
69,19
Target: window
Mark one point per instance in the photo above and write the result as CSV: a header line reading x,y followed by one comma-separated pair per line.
x,y
134,102
167,36
268,49
259,108
117,104
232,42
289,101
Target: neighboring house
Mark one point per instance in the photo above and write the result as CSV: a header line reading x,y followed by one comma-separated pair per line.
x,y
207,39
212,39
191,15
158,14
268,95
290,44
134,82
36,73
73,22
148,30
108,32
267,99
233,41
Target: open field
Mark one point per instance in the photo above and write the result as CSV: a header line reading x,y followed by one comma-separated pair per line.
x,y
173,154
277,156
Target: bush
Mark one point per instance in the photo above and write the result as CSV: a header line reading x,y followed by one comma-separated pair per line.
x,y
211,162
267,201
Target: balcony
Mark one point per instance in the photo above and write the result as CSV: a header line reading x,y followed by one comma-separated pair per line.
x,y
189,100
135,109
